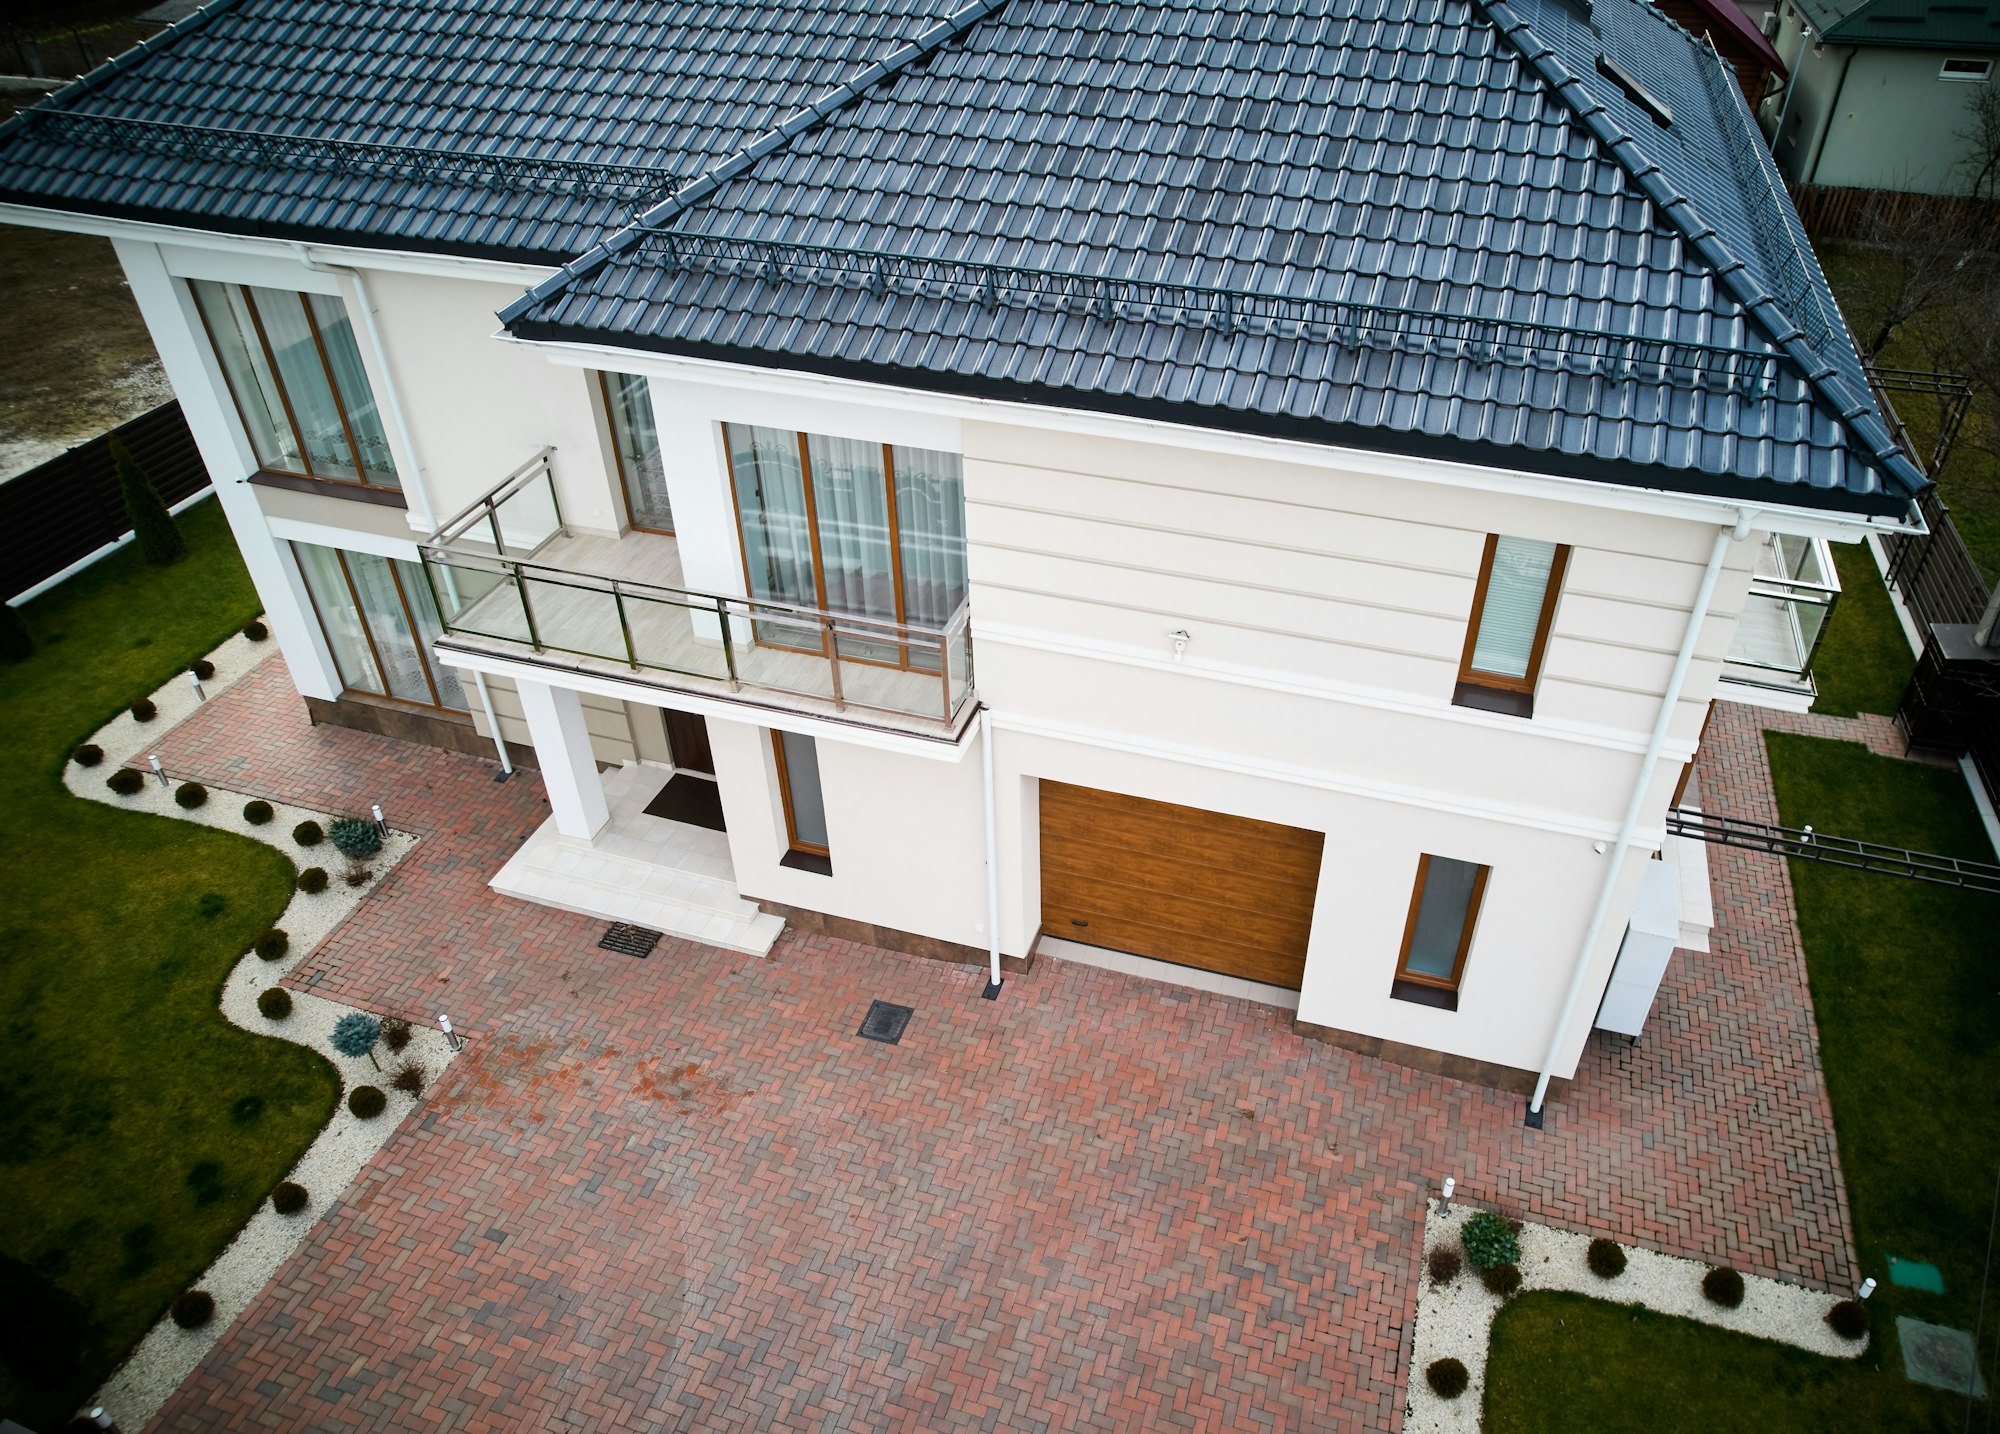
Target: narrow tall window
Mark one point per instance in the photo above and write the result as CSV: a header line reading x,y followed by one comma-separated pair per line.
x,y
805,806
296,375
1443,910
1519,580
379,620
635,440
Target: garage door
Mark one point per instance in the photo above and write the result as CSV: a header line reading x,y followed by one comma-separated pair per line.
x,y
1178,884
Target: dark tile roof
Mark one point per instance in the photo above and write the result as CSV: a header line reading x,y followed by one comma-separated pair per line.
x,y
1403,224
1930,24
502,128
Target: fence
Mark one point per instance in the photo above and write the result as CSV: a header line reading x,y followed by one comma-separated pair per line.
x,y
1835,213
1935,574
69,507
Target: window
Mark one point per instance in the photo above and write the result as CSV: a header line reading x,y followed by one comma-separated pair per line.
x,y
297,379
805,807
1976,72
1519,579
1443,911
380,620
635,441
874,530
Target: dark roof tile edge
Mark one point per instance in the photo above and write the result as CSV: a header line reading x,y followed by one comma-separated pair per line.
x,y
940,33
1731,271
116,65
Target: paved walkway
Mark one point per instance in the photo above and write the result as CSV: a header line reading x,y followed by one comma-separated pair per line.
x,y
680,1194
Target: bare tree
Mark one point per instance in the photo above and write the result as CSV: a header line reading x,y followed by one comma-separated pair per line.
x,y
1920,244
1979,167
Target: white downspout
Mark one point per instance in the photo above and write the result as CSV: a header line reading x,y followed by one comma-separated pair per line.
x,y
1640,786
493,725
993,978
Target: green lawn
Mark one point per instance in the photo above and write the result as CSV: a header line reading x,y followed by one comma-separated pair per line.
x,y
138,1129
1864,662
1908,1003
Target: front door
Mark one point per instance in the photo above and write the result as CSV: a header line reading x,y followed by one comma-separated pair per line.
x,y
687,737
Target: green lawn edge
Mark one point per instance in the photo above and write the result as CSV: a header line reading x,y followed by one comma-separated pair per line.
x,y
1864,662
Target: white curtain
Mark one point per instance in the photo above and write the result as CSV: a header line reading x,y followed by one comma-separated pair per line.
x,y
339,618
296,356
356,398
251,381
851,498
771,502
930,521
1514,592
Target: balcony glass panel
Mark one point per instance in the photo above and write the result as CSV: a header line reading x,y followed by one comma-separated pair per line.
x,y
1784,614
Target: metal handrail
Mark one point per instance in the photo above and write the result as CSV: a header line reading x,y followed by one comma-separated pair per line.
x,y
486,503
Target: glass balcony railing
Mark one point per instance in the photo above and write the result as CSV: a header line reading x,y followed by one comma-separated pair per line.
x,y
510,578
1785,615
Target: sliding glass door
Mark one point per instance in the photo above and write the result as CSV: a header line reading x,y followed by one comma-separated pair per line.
x,y
380,621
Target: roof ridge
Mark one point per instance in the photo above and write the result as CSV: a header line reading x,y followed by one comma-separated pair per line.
x,y
117,65
1855,411
939,33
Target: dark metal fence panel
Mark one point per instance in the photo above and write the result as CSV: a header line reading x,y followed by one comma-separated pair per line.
x,y
69,507
1935,574
1953,705
1829,212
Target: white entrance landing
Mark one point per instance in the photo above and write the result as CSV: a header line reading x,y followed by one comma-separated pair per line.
x,y
640,869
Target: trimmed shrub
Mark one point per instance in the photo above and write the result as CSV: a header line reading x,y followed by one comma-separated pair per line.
x,y
194,1309
272,944
144,711
1445,1265
17,644
255,630
1849,1319
126,781
257,813
275,1004
308,833
1447,1378
1489,1242
312,880
355,1034
1723,1286
409,1078
154,531
367,1102
1502,1280
395,1032
88,755
190,795
356,837
288,1198
1606,1258
202,668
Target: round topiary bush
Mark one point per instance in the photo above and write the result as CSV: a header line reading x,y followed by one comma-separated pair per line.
x,y
312,880
275,1004
1849,1319
308,833
194,1309
367,1102
356,837
202,668
88,755
288,1199
1489,1242
190,795
1447,1377
144,711
1444,1265
1502,1280
255,630
395,1032
126,781
1723,1286
273,944
257,813
1606,1258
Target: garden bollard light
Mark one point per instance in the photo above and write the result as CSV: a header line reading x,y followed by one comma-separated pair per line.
x,y
1867,1287
1450,1185
381,827
444,1023
100,1420
158,770
194,680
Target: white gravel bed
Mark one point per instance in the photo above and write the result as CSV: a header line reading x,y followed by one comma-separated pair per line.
x,y
136,1391
1456,1320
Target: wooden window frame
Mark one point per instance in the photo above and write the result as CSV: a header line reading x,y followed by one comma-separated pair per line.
x,y
436,704
1492,692
1437,990
803,855
618,459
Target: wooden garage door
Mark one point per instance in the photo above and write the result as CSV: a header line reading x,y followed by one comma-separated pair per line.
x,y
1178,884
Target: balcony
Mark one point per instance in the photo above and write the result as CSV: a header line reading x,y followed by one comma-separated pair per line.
x,y
512,581
1784,617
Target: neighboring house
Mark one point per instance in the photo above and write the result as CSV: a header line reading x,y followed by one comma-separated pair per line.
x,y
1272,489
1879,91
1739,38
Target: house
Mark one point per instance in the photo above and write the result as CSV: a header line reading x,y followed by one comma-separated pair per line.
x,y
1268,492
1880,92
1739,38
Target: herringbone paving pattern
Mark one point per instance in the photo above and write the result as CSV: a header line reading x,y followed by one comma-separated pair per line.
x,y
680,1193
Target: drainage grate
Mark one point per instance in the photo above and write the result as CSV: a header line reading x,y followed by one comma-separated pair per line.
x,y
885,1022
629,940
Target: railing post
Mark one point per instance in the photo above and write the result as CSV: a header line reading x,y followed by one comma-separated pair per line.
x,y
830,645
493,524
527,608
624,627
728,647
944,667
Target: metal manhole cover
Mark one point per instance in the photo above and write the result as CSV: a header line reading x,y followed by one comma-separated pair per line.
x,y
885,1022
629,940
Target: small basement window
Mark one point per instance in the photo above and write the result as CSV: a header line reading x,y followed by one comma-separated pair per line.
x,y
1976,72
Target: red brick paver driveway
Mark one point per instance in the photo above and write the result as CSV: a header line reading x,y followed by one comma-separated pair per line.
x,y
681,1194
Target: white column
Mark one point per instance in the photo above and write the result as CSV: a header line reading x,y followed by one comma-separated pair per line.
x,y
562,750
